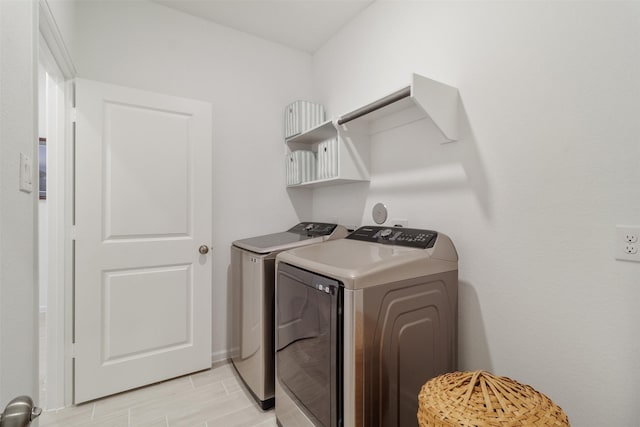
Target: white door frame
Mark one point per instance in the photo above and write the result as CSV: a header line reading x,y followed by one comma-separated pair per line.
x,y
54,112
55,58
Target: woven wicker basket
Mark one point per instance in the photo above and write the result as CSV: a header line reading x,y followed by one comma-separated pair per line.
x,y
480,399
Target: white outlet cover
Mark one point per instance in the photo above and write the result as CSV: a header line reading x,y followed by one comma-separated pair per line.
x,y
626,244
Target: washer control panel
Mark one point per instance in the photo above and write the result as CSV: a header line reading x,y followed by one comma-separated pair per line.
x,y
399,236
313,228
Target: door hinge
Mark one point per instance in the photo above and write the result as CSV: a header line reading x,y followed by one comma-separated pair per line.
x,y
73,114
72,232
72,350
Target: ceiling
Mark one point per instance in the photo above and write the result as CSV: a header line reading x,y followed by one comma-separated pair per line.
x,y
301,24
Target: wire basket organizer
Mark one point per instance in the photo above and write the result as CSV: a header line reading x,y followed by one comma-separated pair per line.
x,y
481,399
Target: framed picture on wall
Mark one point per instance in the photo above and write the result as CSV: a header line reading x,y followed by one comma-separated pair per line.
x,y
42,167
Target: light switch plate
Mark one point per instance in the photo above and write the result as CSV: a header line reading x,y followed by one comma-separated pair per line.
x,y
26,173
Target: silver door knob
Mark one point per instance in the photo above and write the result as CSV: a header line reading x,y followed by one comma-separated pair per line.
x,y
19,412
204,249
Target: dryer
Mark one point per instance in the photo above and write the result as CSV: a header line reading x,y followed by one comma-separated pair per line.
x,y
361,324
251,294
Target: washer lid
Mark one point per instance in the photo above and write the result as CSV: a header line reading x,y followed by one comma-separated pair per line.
x,y
304,233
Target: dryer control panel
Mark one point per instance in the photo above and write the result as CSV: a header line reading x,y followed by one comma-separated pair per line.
x,y
399,236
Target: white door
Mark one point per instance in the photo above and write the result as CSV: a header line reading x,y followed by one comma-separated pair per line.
x,y
142,210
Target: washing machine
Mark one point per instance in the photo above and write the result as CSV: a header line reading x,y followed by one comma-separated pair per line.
x,y
251,301
361,324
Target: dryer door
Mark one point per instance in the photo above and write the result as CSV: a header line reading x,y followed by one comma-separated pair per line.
x,y
309,343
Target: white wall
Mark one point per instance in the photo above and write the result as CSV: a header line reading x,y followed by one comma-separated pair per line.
x,y
547,165
247,80
18,134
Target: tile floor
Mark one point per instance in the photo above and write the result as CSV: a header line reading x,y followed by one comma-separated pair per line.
x,y
212,398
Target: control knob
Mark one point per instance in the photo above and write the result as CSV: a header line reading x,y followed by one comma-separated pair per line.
x,y
386,233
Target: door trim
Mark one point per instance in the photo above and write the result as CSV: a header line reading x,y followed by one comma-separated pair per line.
x,y
51,34
57,58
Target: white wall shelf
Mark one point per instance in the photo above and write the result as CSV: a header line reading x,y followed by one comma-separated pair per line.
x,y
326,182
316,134
351,157
424,98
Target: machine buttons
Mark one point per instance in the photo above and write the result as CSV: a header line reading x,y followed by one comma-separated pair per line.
x,y
313,229
410,237
326,289
386,233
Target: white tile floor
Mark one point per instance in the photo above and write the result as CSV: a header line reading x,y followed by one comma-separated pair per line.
x,y
212,398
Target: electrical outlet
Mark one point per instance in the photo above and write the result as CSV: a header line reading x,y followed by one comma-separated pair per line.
x,y
627,247
399,222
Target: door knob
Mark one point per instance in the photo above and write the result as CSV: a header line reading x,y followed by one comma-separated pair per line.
x,y
203,249
19,412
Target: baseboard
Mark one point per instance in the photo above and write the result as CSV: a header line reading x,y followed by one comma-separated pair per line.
x,y
219,356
